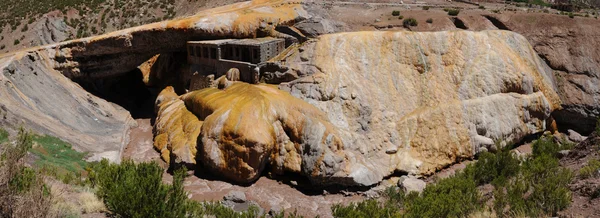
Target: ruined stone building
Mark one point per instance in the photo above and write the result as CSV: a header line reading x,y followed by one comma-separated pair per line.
x,y
210,59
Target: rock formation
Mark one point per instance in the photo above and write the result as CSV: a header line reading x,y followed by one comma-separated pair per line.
x,y
395,101
35,94
417,102
571,48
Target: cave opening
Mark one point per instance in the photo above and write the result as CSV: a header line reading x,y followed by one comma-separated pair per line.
x,y
126,90
136,91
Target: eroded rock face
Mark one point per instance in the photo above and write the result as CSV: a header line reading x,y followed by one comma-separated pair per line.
x,y
417,102
571,48
35,96
176,129
394,101
246,126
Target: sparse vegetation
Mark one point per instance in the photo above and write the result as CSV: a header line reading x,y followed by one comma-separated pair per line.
x,y
3,136
400,17
136,190
118,14
481,7
395,13
429,20
571,15
22,189
453,12
58,158
426,8
408,22
16,42
540,178
590,170
456,196
535,186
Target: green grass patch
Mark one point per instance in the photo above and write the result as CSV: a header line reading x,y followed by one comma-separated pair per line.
x,y
590,170
3,136
58,158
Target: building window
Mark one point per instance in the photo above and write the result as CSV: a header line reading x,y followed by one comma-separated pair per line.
x,y
205,52
256,54
213,53
198,52
190,51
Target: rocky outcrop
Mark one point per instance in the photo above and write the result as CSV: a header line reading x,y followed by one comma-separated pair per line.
x,y
37,97
417,102
37,92
176,129
394,102
246,127
571,48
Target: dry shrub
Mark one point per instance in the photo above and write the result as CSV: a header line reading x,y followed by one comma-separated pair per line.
x,y
22,189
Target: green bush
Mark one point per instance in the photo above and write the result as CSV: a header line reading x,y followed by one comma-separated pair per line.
x,y
429,20
408,22
571,15
456,196
16,42
540,188
481,7
400,17
590,169
132,190
136,190
365,209
395,13
453,12
495,168
426,8
22,189
546,145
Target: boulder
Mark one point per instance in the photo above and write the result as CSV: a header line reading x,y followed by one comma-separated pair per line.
x,y
411,184
235,196
575,136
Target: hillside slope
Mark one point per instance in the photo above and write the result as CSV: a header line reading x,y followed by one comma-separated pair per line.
x,y
28,23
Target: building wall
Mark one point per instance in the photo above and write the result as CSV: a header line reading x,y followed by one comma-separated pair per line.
x,y
271,49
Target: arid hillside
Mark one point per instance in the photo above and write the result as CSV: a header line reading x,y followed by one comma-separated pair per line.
x,y
28,23
361,96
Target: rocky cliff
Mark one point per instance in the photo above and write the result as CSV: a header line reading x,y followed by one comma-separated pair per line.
x,y
393,102
37,92
417,102
571,48
37,97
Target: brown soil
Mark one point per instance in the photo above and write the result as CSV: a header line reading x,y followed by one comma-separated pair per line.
x,y
582,205
140,147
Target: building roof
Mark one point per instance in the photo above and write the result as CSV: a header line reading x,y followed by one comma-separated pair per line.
x,y
256,41
212,42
